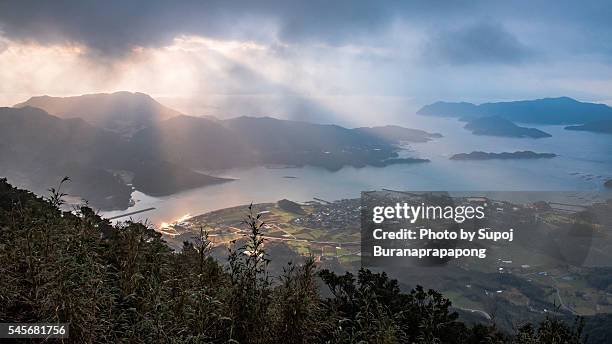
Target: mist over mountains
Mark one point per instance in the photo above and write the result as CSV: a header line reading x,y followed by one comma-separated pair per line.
x,y
108,143
38,149
122,112
111,143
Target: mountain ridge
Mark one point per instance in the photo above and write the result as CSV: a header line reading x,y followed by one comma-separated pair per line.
x,y
499,126
246,141
604,126
122,112
162,157
559,110
38,149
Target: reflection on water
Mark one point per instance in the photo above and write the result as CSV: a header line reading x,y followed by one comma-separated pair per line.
x,y
584,163
167,225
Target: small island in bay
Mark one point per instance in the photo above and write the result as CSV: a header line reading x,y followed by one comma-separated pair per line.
x,y
498,126
396,161
604,126
397,134
478,155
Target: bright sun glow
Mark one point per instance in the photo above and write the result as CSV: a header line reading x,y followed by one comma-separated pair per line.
x,y
168,227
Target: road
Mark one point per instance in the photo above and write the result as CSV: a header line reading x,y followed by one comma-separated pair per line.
x,y
481,312
130,214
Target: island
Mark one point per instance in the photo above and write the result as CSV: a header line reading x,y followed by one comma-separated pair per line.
x,y
498,126
561,110
394,133
397,161
595,127
478,155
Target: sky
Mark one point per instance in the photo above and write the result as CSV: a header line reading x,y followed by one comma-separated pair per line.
x,y
351,62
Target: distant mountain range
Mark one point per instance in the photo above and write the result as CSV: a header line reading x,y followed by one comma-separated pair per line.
x,y
208,144
562,110
107,142
499,126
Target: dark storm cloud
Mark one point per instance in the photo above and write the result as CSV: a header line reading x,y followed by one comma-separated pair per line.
x,y
479,43
108,27
113,27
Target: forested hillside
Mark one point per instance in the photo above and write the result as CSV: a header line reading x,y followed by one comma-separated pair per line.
x,y
123,284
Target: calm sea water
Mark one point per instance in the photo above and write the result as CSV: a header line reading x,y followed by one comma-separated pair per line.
x,y
584,162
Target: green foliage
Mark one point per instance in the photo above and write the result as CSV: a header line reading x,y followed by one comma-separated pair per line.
x,y
122,284
551,331
297,308
249,291
372,309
